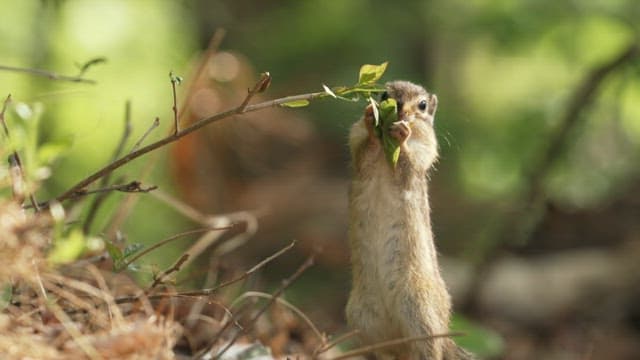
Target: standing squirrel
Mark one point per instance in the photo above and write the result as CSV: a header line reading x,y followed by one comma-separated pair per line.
x,y
397,288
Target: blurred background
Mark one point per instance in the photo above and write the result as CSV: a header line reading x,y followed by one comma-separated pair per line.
x,y
535,198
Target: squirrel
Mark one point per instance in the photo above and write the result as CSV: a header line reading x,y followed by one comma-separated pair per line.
x,y
397,290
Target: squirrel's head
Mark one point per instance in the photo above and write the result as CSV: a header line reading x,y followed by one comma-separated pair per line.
x,y
417,107
414,102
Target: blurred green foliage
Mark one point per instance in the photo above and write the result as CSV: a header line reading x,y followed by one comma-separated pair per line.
x,y
481,341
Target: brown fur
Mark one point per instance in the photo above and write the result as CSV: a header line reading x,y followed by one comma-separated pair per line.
x,y
397,288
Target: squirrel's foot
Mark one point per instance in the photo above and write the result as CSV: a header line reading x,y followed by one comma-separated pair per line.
x,y
401,131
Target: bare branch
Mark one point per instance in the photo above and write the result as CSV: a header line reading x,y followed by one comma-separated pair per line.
x,y
127,204
130,187
47,74
175,80
180,134
260,86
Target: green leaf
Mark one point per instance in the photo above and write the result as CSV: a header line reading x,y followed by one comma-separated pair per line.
x,y
388,115
481,341
114,252
296,103
68,248
369,74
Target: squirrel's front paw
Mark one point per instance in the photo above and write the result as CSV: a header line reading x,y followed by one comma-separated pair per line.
x,y
401,131
370,122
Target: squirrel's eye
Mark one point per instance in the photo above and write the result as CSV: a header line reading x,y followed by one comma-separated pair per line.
x,y
384,96
422,105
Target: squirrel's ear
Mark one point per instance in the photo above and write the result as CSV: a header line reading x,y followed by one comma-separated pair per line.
x,y
433,104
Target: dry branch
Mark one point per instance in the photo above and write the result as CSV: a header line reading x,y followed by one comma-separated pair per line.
x,y
241,109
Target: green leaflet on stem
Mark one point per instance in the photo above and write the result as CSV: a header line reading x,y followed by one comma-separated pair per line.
x,y
388,114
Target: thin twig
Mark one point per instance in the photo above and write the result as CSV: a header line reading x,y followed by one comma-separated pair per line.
x,y
169,239
180,134
130,187
174,268
260,86
155,124
209,291
47,74
87,65
285,284
95,205
385,344
175,80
